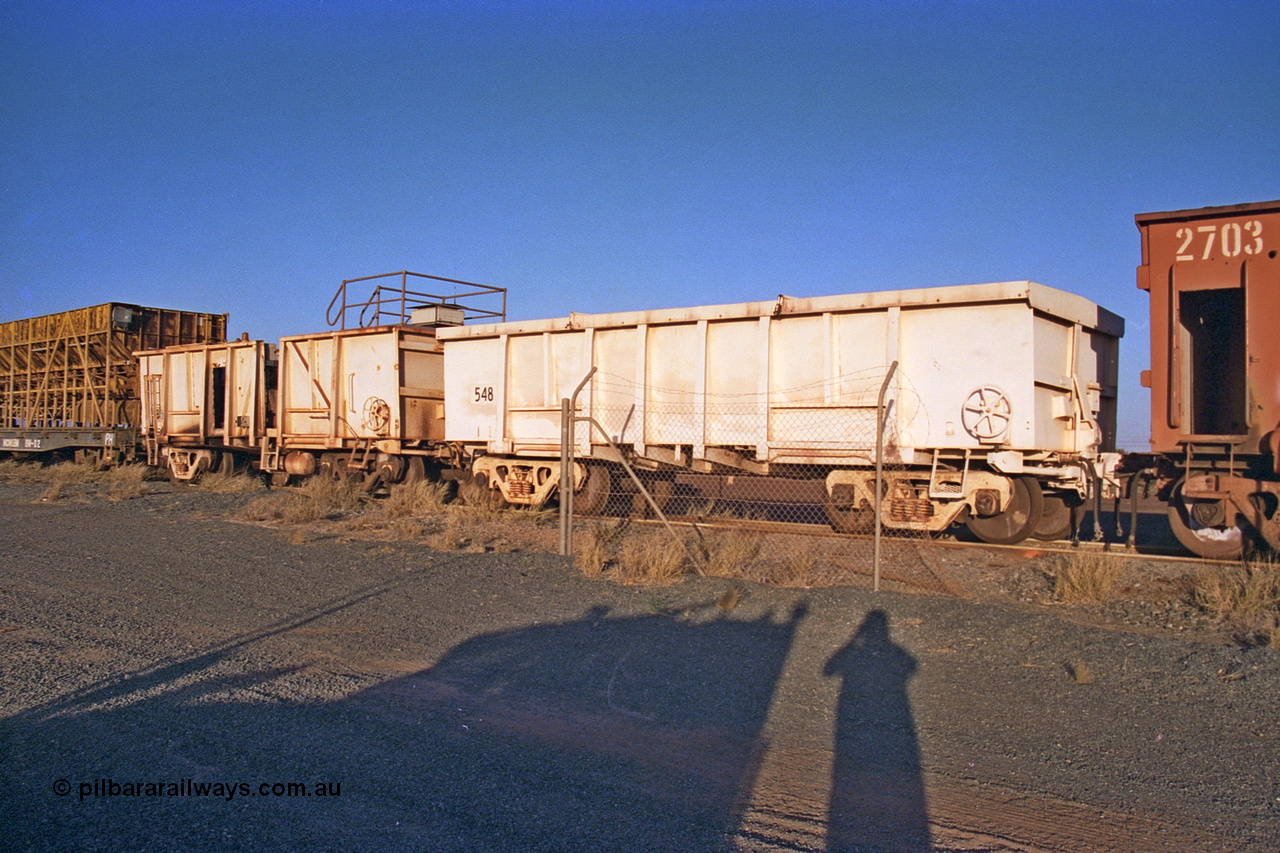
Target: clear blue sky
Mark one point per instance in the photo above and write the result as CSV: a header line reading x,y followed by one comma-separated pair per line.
x,y
248,156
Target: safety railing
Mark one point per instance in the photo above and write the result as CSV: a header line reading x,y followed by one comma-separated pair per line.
x,y
393,302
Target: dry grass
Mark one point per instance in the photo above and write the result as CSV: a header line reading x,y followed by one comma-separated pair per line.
x,y
452,536
598,545
1244,599
21,473
51,494
127,491
1085,577
728,553
1080,672
652,558
412,500
484,504
318,499
801,567
29,472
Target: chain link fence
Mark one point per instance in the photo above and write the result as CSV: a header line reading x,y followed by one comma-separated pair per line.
x,y
781,488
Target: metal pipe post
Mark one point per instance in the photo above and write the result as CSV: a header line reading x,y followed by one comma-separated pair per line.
x,y
884,388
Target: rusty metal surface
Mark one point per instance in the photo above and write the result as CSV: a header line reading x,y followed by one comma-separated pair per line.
x,y
1213,278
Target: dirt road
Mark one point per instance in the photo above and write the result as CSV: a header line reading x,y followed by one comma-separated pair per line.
x,y
169,673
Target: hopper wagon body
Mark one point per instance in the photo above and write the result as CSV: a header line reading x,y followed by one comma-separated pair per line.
x,y
996,402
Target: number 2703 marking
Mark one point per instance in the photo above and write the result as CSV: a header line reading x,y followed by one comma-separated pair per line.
x,y
1230,237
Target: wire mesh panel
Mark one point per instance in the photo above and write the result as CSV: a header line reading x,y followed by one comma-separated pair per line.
x,y
776,486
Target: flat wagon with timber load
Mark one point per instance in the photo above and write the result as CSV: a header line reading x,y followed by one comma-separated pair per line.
x,y
69,382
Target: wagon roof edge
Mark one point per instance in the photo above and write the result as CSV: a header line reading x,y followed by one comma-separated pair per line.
x,y
1205,212
1059,303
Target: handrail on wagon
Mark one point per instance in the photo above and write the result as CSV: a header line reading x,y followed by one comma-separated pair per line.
x,y
394,303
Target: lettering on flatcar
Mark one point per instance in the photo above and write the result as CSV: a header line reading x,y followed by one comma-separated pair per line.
x,y
1232,239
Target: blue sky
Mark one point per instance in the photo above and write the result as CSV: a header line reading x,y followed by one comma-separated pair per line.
x,y
248,156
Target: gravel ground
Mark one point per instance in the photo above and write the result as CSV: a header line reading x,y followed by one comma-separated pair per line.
x,y
502,701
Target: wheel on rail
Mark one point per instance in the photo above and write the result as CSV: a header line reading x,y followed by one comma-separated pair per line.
x,y
226,465
1200,525
1018,519
593,497
854,519
659,488
1057,521
478,493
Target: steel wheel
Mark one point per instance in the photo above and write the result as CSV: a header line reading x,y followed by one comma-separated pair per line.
x,y
415,471
1056,522
1018,519
1200,527
480,494
594,496
854,519
660,489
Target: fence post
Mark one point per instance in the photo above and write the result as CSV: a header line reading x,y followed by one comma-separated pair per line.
x,y
566,452
568,417
884,387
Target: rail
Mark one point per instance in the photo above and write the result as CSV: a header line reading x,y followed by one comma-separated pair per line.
x,y
394,303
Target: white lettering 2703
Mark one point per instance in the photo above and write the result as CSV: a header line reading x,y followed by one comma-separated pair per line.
x,y
1231,238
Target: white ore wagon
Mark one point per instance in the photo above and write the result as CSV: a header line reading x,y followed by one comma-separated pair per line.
x,y
998,402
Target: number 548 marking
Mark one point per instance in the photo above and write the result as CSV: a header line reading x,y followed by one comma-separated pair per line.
x,y
482,393
1230,237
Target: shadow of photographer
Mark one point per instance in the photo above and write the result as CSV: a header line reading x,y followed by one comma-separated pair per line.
x,y
877,798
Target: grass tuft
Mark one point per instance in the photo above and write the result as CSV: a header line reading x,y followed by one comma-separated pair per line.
x,y
317,499
127,491
1085,577
599,546
653,558
1244,599
410,500
1080,672
452,536
727,553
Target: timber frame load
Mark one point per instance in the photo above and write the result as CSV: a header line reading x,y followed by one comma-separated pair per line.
x,y
69,381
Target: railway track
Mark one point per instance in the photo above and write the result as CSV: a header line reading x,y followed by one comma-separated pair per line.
x,y
1028,548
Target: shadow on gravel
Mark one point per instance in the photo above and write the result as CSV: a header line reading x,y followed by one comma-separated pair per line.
x,y
877,787
633,733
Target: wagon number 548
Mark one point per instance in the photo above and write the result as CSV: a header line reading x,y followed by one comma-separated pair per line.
x,y
483,393
1232,238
